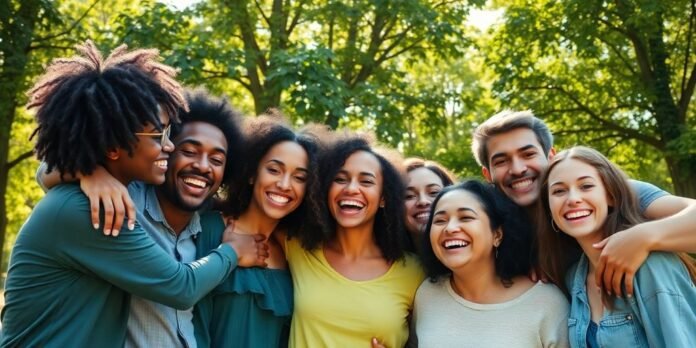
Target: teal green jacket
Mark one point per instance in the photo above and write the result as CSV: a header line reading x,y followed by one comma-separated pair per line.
x,y
68,285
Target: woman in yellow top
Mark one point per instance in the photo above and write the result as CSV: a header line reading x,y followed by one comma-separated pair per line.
x,y
354,280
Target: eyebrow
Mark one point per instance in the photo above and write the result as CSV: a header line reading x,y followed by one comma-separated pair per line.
x,y
281,163
521,149
199,143
578,179
460,210
345,172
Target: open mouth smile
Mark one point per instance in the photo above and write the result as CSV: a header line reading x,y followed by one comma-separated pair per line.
x,y
455,244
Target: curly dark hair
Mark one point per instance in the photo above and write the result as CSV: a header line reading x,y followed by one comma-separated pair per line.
x,y
389,232
203,107
261,134
87,105
513,257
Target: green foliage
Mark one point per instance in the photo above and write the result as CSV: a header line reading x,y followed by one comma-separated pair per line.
x,y
609,74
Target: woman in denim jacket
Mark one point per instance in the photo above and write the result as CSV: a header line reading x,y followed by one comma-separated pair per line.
x,y
586,198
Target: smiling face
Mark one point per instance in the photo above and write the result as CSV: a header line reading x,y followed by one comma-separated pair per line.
x,y
148,161
423,187
578,200
355,194
197,165
516,163
461,233
281,177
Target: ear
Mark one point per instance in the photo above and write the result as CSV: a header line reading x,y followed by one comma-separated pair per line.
x,y
497,236
552,152
113,154
486,174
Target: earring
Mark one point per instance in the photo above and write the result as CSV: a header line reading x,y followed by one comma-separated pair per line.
x,y
496,253
554,227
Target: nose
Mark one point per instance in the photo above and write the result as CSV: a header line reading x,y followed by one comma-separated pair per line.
x,y
452,225
573,196
352,186
168,146
423,200
202,164
518,167
284,182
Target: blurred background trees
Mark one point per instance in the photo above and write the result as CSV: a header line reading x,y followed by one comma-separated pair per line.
x,y
421,74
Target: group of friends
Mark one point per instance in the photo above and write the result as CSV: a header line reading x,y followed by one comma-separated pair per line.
x,y
171,221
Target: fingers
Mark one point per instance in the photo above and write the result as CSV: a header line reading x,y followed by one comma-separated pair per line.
x,y
259,237
628,283
607,280
94,210
119,213
533,276
616,283
130,212
376,343
108,216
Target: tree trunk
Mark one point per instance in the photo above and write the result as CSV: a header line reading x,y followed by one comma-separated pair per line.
x,y
683,172
16,41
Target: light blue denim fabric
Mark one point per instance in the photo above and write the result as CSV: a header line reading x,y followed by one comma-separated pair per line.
x,y
662,312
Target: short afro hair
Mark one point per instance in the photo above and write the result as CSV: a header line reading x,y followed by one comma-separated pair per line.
x,y
203,107
87,105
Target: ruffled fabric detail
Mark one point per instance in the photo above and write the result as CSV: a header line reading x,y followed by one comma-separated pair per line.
x,y
271,288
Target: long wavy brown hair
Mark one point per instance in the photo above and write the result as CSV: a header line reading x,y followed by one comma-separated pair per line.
x,y
557,250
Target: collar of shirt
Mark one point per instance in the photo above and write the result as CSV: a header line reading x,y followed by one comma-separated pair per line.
x,y
152,209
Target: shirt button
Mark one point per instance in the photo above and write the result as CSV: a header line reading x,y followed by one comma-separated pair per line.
x,y
629,317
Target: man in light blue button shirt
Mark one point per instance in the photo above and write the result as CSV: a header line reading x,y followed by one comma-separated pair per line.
x,y
209,134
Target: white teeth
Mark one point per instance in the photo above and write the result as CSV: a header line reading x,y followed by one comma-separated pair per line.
x,y
577,214
522,184
456,243
422,216
351,203
161,163
196,182
278,198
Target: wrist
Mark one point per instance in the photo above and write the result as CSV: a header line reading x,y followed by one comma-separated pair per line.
x,y
650,237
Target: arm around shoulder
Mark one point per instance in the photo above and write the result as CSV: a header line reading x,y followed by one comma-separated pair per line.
x,y
134,263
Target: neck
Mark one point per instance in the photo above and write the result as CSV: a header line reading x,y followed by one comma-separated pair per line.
x,y
591,252
355,241
477,282
176,217
253,221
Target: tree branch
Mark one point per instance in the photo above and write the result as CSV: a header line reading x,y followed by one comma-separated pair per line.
x,y
631,133
53,47
686,95
689,36
296,19
18,160
72,27
265,18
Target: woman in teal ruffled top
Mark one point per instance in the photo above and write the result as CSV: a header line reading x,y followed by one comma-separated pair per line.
x,y
253,306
